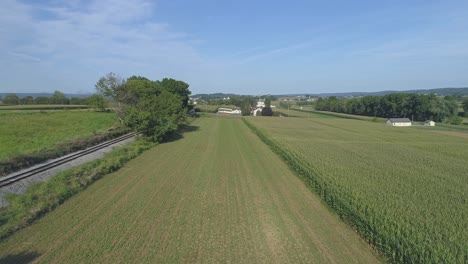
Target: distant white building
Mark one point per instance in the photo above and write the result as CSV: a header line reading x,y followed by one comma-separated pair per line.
x,y
429,123
260,103
399,122
223,110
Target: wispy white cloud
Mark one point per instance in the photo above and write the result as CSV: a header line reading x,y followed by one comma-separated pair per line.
x,y
97,35
255,54
24,57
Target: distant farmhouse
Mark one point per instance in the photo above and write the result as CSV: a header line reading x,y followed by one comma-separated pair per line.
x,y
260,103
257,110
429,123
399,122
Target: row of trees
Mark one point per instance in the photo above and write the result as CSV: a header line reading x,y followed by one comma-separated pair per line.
x,y
153,108
58,98
465,107
417,106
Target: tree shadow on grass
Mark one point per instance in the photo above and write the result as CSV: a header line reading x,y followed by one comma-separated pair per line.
x,y
180,134
23,257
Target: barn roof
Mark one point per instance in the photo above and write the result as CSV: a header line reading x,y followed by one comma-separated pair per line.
x,y
428,121
399,120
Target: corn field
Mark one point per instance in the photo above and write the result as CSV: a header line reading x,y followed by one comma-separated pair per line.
x,y
405,190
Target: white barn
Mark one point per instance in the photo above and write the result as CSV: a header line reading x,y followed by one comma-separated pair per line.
x,y
222,110
429,123
399,122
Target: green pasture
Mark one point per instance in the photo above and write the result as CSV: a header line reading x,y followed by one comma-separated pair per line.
x,y
23,132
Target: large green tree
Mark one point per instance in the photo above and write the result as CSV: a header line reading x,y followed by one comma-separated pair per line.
x,y
152,109
178,88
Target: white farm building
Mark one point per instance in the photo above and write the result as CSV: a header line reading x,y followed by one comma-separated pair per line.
x,y
429,123
399,122
229,111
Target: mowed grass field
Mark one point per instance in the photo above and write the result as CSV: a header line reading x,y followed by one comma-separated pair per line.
x,y
23,132
217,195
406,189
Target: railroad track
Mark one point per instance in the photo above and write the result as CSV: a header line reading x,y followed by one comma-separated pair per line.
x,y
5,181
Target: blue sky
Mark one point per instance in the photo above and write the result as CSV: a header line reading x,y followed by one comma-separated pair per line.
x,y
245,47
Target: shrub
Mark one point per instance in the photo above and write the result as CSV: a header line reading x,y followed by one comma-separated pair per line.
x,y
266,111
456,120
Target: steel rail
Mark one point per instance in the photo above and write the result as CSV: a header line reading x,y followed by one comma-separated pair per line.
x,y
5,181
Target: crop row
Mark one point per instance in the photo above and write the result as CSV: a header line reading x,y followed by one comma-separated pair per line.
x,y
390,209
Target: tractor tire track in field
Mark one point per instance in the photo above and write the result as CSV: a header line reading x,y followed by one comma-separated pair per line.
x,y
216,195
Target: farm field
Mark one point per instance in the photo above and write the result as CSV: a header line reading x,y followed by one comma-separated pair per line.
x,y
311,110
298,113
404,189
213,108
41,107
23,132
217,195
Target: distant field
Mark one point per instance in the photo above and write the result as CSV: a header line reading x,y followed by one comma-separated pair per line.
x,y
405,189
214,108
218,195
30,131
301,113
41,107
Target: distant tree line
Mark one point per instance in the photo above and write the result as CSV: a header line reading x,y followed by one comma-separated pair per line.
x,y
58,98
154,108
417,106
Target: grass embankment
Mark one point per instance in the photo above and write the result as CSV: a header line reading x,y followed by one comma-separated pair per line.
x,y
403,189
216,195
41,198
31,137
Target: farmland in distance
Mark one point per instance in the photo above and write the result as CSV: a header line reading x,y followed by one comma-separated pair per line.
x,y
216,195
405,189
